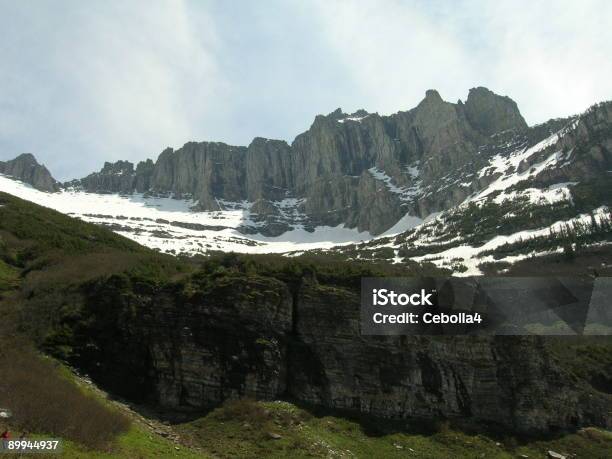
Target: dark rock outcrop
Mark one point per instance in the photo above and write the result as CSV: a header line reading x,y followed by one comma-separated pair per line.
x,y
117,176
25,168
490,113
259,337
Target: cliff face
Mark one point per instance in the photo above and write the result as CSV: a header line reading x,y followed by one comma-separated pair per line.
x,y
367,172
117,176
262,338
491,114
25,168
362,170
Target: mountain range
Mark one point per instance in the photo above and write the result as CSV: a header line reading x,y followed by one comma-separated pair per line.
x,y
441,189
439,176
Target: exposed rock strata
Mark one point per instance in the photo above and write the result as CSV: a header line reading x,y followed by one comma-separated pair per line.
x,y
328,168
362,170
261,338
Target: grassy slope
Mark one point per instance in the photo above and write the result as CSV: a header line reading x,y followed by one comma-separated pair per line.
x,y
244,430
43,252
137,442
52,255
34,238
8,277
47,252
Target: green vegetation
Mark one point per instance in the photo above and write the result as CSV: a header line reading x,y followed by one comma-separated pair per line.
x,y
587,358
479,223
137,443
72,282
47,402
33,238
42,400
8,274
52,256
8,277
407,251
327,268
379,258
586,261
46,229
594,193
249,429
572,237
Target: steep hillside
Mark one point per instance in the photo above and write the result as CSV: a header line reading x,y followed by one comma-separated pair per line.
x,y
549,198
362,170
50,257
186,335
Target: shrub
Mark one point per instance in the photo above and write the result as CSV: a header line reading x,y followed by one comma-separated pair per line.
x,y
243,410
44,401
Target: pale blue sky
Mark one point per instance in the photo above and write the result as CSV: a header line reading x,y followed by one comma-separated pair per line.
x,y
82,82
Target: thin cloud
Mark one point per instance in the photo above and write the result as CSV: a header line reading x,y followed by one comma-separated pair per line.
x,y
85,82
552,58
106,81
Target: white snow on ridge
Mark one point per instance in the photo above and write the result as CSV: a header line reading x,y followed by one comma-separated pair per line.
x,y
552,194
353,118
501,164
470,255
507,166
154,222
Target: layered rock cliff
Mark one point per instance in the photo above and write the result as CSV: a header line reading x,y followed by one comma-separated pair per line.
x,y
366,171
362,169
190,347
25,168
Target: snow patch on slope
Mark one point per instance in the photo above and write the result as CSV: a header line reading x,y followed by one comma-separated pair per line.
x,y
404,193
469,255
507,167
405,223
170,225
550,195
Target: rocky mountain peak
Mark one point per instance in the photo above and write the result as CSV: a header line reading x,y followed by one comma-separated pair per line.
x,y
26,168
490,113
262,142
117,176
431,95
26,158
432,103
337,113
438,123
360,113
119,167
359,169
339,116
